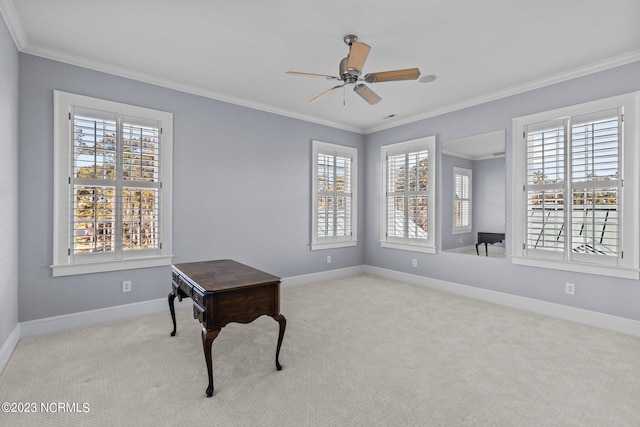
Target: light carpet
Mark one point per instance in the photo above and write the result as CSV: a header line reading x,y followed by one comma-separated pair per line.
x,y
359,351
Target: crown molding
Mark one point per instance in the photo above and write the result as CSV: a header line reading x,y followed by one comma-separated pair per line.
x,y
104,67
8,11
595,67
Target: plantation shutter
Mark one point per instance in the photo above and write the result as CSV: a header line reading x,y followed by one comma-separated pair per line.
x,y
545,174
407,195
595,187
461,199
573,188
334,196
115,184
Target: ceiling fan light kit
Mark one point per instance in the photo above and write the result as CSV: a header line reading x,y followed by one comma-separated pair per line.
x,y
350,69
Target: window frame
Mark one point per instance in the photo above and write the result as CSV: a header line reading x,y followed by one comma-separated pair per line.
x,y
627,264
458,171
335,241
64,264
427,245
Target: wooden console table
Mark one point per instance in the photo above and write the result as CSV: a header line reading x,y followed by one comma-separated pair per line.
x,y
225,291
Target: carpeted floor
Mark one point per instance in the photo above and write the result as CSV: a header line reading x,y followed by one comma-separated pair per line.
x,y
361,351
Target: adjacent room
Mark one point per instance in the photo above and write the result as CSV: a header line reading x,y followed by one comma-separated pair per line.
x,y
441,200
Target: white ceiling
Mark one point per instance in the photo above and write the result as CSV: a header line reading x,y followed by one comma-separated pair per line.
x,y
238,51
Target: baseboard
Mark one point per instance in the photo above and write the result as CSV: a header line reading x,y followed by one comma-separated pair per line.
x,y
91,317
592,318
8,346
305,279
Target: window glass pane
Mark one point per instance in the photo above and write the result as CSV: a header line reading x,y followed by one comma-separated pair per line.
x,y
94,148
595,150
325,172
545,220
595,221
396,173
343,216
93,219
395,216
418,221
140,153
545,156
140,222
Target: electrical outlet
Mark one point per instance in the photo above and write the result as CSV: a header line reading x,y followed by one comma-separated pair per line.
x,y
414,262
126,286
569,288
328,259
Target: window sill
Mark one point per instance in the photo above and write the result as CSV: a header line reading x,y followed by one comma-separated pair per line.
x,y
578,267
104,266
407,247
333,245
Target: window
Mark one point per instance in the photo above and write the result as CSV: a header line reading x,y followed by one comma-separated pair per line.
x,y
461,200
575,191
112,186
334,196
408,195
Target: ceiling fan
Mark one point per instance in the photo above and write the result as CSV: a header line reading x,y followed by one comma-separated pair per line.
x,y
351,68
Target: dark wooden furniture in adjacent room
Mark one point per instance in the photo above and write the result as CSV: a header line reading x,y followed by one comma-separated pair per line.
x,y
490,238
225,291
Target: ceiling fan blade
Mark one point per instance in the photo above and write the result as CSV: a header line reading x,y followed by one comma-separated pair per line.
x,y
325,94
391,76
358,53
367,94
317,76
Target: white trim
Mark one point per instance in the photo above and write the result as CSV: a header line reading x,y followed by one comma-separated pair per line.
x,y
8,346
91,317
343,151
8,11
335,245
408,247
48,325
587,317
616,61
62,263
305,279
629,265
578,267
403,148
112,265
15,28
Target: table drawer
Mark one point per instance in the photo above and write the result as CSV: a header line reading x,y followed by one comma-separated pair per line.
x,y
185,286
198,312
198,296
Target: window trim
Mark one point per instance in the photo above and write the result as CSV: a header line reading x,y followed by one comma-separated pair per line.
x,y
468,228
629,266
63,264
416,245
342,151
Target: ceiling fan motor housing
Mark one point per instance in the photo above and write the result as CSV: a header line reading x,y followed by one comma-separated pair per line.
x,y
348,75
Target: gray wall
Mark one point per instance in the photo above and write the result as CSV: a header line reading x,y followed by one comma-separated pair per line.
x,y
242,190
8,183
619,297
242,181
489,191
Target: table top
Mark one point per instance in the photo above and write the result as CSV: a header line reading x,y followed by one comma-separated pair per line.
x,y
223,275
